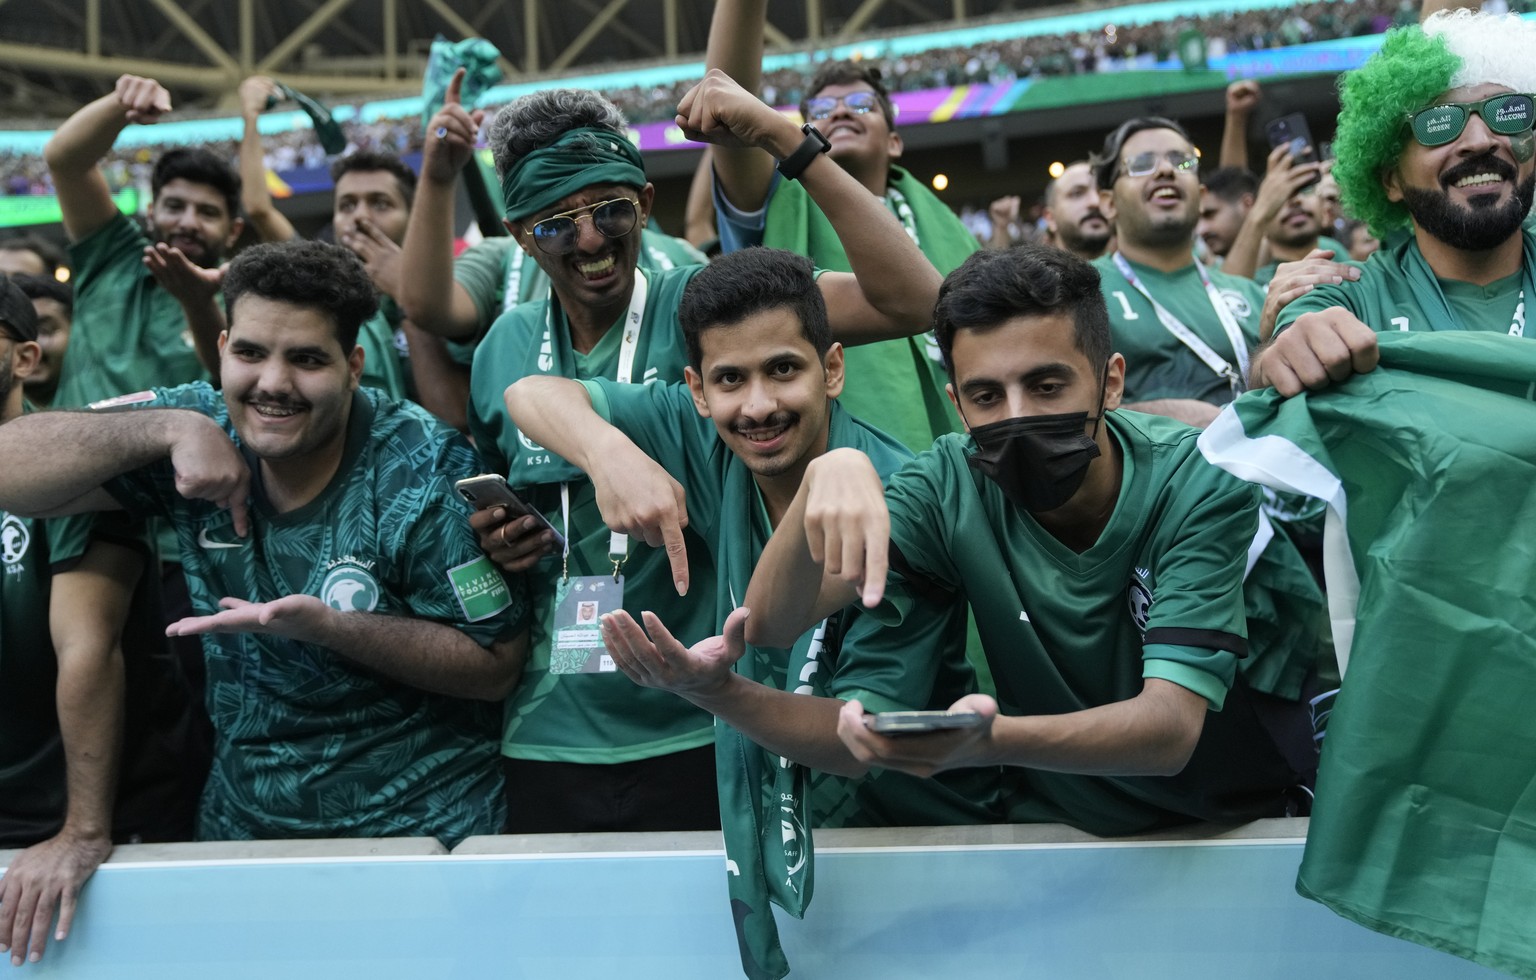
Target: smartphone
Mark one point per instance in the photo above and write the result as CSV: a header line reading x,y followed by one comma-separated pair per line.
x,y
490,490
1292,131
921,722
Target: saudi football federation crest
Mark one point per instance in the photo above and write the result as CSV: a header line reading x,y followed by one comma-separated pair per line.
x,y
350,587
1140,599
14,539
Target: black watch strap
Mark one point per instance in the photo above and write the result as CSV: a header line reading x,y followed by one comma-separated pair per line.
x,y
809,149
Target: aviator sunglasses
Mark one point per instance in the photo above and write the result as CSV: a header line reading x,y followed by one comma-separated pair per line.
x,y
858,103
557,234
1507,115
1143,164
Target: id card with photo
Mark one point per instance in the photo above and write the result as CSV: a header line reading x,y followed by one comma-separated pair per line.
x,y
578,636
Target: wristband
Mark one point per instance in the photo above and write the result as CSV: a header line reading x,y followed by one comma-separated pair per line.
x,y
814,144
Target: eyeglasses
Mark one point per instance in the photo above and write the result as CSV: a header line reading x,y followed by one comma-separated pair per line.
x,y
1505,114
1145,163
858,103
557,234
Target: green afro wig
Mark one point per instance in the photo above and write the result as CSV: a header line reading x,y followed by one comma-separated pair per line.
x,y
1406,74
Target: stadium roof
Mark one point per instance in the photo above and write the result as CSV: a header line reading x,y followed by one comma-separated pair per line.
x,y
58,54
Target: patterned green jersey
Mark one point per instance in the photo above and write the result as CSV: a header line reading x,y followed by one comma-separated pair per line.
x,y
1397,291
853,656
307,743
498,275
1158,595
1159,365
589,717
128,333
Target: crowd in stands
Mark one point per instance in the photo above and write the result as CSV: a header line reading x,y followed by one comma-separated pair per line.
x,y
583,531
999,62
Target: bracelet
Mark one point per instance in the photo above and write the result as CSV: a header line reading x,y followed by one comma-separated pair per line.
x,y
814,144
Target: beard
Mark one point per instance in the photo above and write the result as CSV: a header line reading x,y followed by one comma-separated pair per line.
x,y
1083,242
1479,226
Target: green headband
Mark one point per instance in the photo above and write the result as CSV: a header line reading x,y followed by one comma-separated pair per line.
x,y
579,158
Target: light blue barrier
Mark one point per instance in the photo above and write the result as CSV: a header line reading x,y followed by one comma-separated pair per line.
x,y
973,902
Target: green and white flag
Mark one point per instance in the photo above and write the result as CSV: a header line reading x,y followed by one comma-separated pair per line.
x,y
1424,825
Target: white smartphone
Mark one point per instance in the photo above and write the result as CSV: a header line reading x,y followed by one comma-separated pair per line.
x,y
922,722
490,490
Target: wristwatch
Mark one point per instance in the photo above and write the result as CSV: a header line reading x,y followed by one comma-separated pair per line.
x,y
809,149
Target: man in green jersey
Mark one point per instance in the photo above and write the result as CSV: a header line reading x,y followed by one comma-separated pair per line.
x,y
1435,150
759,404
457,299
586,749
92,719
1185,331
358,642
1100,555
130,331
848,110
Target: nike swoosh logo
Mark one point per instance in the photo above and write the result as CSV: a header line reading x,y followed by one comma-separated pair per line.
x,y
204,541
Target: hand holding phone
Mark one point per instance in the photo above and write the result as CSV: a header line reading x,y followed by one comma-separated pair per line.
x,y
490,490
922,722
1293,133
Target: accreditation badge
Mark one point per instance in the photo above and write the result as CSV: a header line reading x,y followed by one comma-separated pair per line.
x,y
579,602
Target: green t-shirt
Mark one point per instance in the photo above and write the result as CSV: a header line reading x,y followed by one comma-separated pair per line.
x,y
1397,292
591,717
128,334
1158,595
1158,364
385,363
855,657
498,275
308,743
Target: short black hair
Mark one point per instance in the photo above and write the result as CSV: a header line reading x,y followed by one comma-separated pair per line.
x,y
18,318
1231,183
47,287
1107,160
848,73
996,285
369,161
199,166
741,284
327,277
51,255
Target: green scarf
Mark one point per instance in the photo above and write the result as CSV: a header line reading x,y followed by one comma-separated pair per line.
x,y
883,375
580,158
765,806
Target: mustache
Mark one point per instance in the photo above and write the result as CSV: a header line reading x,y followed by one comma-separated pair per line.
x,y
275,401
774,421
1487,163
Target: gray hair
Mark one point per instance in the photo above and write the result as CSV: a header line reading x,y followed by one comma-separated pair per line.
x,y
538,119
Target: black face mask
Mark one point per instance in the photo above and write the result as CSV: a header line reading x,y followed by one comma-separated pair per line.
x,y
1039,461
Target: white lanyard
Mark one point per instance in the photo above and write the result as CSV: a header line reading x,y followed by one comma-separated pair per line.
x,y
1517,325
629,342
509,295
1236,377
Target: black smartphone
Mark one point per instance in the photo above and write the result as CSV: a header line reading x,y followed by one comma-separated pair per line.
x,y
921,722
1292,131
491,490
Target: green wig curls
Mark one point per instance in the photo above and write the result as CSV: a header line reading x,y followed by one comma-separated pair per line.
x,y
1406,74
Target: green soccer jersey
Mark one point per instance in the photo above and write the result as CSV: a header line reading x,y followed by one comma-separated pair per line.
x,y
850,657
498,275
307,743
128,333
1397,291
1157,363
599,717
385,366
1159,595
